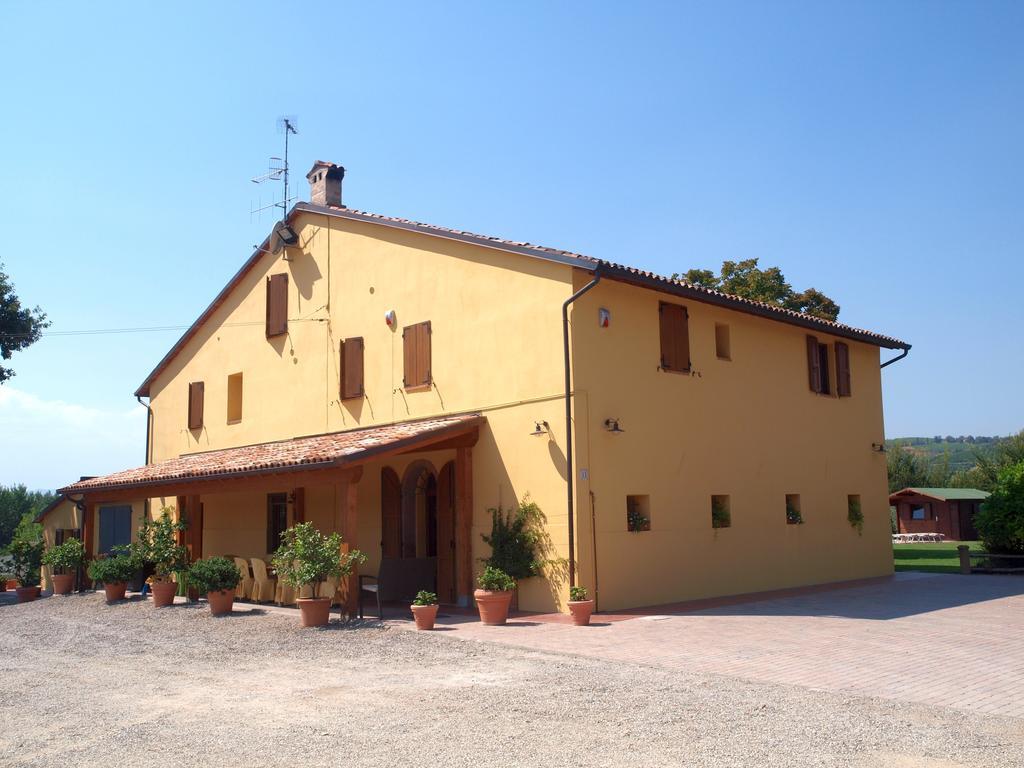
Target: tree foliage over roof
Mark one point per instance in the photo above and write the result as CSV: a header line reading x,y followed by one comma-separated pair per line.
x,y
19,326
746,279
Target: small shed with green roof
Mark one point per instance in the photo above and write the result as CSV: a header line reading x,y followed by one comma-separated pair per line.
x,y
949,511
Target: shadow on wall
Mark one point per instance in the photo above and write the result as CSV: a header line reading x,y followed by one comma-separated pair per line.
x,y
502,494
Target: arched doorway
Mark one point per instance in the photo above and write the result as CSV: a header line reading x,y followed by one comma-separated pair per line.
x,y
418,519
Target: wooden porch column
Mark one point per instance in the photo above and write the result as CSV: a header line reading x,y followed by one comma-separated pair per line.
x,y
194,534
346,523
88,538
179,504
464,525
299,505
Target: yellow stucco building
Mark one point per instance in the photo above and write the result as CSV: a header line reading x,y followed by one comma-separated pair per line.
x,y
395,381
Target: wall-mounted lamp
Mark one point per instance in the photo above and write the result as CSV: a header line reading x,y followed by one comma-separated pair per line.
x,y
612,425
878,447
285,234
540,428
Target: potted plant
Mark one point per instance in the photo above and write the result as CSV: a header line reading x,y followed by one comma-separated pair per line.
x,y
424,609
26,550
157,545
64,559
217,577
114,571
580,606
305,558
494,595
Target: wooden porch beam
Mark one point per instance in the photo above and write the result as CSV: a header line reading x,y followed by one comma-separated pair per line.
x,y
467,440
464,525
346,523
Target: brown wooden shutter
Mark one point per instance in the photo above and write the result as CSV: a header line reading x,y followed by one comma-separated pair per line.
x,y
842,369
674,322
277,305
813,364
352,368
416,355
195,405
58,537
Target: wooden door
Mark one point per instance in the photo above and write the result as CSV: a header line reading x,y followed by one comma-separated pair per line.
x,y
446,534
390,513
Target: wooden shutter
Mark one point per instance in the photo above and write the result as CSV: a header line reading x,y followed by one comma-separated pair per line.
x,y
842,369
277,305
813,364
674,322
416,355
58,537
391,513
352,368
195,405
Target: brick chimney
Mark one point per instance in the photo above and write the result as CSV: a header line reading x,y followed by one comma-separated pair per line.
x,y
325,183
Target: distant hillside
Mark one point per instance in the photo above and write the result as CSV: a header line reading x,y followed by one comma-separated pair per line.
x,y
959,451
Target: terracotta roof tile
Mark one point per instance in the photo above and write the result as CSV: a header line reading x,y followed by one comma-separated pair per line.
x,y
642,275
335,449
571,257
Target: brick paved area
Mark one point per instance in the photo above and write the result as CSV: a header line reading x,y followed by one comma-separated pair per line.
x,y
956,641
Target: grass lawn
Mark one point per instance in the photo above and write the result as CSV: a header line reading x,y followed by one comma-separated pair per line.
x,y
935,558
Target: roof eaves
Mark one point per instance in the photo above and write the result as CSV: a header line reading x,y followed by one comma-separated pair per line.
x,y
749,306
523,249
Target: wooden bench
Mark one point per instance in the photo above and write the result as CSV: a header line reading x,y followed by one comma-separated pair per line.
x,y
399,578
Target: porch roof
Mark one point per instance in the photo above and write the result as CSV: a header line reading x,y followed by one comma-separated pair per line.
x,y
336,450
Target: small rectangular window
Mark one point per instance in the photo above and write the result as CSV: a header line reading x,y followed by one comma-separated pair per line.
x,y
234,398
918,512
638,513
277,519
416,355
277,305
352,368
793,514
721,515
854,513
195,405
674,327
723,348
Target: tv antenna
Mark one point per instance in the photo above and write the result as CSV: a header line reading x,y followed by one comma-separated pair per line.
x,y
277,171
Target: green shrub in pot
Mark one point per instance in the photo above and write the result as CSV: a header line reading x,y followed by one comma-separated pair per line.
x,y
214,574
66,557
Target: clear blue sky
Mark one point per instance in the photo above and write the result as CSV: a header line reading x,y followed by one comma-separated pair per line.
x,y
872,150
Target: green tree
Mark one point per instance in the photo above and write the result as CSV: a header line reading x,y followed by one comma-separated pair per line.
x,y
988,465
745,278
1000,522
16,504
19,326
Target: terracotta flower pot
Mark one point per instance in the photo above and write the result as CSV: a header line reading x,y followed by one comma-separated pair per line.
x,y
62,583
424,616
316,611
221,602
163,593
115,592
493,606
581,610
12,584
27,594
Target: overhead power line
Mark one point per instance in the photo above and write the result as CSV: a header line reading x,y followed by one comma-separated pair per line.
x,y
148,329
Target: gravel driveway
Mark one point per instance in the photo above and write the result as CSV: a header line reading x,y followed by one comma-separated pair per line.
x,y
82,683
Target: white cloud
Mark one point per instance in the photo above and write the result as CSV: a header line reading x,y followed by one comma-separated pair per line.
x,y
50,443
